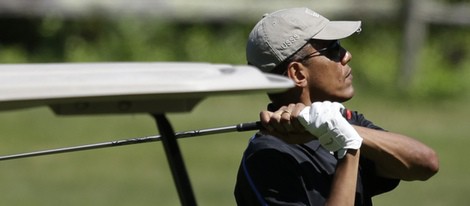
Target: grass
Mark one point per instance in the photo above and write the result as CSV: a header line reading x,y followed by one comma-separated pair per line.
x,y
139,174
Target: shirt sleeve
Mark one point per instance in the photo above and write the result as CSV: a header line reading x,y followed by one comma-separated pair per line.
x,y
358,119
374,184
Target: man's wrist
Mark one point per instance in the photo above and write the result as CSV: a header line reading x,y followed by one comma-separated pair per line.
x,y
340,154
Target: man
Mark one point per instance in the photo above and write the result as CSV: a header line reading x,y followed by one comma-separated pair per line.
x,y
313,151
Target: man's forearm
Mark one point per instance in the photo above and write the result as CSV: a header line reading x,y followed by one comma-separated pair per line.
x,y
343,188
398,156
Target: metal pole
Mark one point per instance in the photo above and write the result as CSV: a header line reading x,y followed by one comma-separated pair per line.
x,y
193,133
175,160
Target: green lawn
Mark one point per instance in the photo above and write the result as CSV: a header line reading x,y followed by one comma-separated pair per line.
x,y
139,174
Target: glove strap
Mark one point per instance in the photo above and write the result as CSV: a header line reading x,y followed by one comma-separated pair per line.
x,y
329,140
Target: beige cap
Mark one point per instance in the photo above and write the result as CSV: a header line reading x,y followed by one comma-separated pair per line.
x,y
280,34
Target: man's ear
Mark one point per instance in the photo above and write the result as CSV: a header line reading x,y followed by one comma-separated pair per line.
x,y
298,73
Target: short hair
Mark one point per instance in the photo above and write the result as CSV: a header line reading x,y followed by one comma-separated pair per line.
x,y
281,69
298,55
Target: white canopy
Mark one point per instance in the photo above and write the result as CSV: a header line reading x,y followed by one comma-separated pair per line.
x,y
89,88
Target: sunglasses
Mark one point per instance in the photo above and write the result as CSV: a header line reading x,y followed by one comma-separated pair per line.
x,y
332,51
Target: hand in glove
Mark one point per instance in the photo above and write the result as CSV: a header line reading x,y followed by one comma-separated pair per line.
x,y
325,121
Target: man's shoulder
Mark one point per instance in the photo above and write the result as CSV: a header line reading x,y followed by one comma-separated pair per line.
x,y
264,142
267,147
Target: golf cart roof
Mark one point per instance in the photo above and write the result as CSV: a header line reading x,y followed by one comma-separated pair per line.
x,y
105,88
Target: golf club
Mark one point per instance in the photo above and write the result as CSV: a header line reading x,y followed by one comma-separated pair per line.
x,y
193,133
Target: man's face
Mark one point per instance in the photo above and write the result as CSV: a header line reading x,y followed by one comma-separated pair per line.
x,y
329,75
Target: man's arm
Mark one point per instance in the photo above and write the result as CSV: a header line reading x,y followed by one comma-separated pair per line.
x,y
343,188
395,155
398,156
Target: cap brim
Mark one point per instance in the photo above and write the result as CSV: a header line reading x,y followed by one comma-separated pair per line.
x,y
338,30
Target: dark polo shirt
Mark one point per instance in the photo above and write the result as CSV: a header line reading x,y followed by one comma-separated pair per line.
x,y
275,173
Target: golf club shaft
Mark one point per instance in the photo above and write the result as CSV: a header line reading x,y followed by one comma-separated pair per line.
x,y
235,128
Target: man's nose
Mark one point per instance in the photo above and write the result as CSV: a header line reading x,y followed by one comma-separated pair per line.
x,y
346,58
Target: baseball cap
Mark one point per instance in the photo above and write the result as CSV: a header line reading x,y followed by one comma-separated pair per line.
x,y
280,34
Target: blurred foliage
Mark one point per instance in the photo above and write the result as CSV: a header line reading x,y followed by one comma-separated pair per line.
x,y
445,63
453,1
442,72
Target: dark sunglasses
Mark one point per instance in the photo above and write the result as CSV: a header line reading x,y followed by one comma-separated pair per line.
x,y
332,51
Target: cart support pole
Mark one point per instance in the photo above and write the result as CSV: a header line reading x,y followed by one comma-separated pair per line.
x,y
175,160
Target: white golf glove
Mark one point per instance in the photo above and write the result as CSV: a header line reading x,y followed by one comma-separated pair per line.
x,y
325,121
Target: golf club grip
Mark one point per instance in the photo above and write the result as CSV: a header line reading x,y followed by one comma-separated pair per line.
x,y
249,126
257,125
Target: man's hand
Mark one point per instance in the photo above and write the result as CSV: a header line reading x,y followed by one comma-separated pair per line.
x,y
284,124
325,121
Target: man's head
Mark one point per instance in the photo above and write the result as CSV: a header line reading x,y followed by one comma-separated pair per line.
x,y
295,41
279,35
